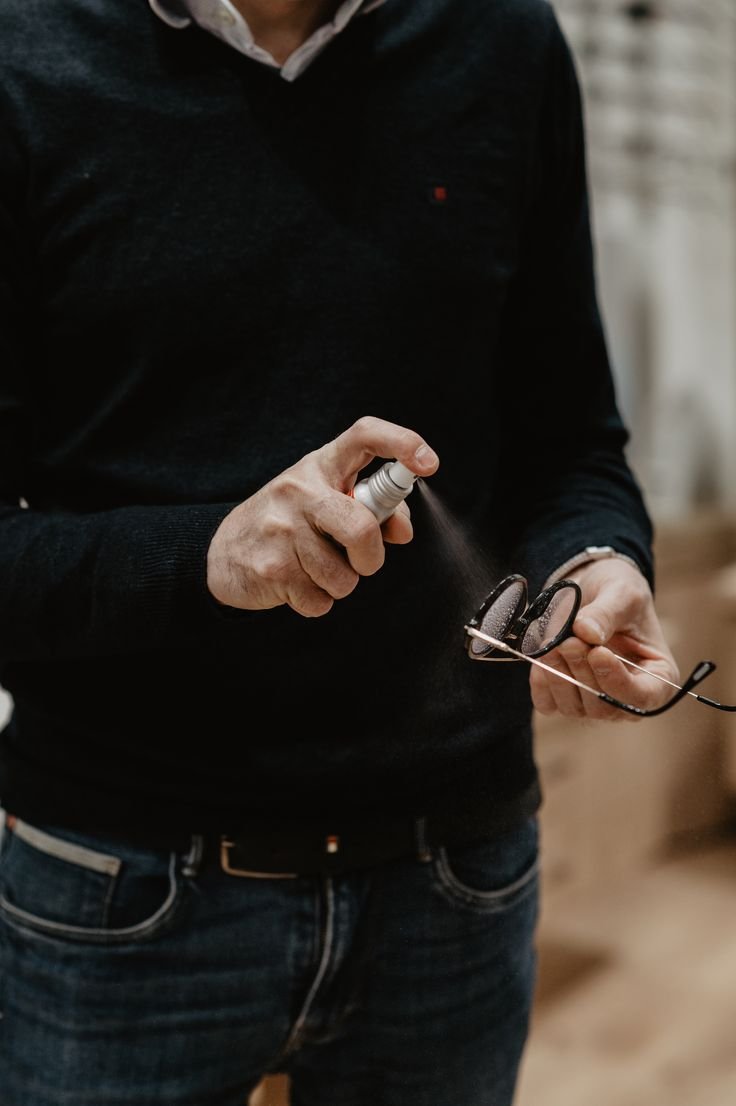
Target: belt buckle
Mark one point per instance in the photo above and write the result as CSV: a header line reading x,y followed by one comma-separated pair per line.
x,y
246,873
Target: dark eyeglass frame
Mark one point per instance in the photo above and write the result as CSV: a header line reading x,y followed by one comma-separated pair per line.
x,y
522,616
524,613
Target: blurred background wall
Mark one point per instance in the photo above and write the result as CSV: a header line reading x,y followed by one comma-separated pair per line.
x,y
659,86
659,80
637,943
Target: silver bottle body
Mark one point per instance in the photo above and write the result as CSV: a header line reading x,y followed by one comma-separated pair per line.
x,y
384,489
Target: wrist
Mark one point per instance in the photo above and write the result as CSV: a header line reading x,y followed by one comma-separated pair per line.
x,y
586,556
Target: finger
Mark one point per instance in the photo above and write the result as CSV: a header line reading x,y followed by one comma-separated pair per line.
x,y
398,529
576,655
287,579
324,564
566,697
570,659
372,437
626,684
542,697
620,602
353,528
655,658
307,599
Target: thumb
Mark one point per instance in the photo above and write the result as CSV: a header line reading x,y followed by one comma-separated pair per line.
x,y
593,624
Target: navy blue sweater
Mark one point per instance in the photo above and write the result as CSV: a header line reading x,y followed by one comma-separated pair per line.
x,y
206,273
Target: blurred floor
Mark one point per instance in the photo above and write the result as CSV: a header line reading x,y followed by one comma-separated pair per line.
x,y
637,996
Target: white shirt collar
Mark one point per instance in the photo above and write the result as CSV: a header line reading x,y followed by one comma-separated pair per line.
x,y
221,18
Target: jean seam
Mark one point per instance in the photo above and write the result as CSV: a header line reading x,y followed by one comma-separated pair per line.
x,y
107,901
292,1041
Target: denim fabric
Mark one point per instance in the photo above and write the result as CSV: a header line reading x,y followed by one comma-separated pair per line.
x,y
129,977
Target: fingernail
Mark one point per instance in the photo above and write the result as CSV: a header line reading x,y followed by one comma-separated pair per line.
x,y
426,456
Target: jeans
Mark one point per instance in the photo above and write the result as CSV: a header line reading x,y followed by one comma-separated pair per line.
x,y
129,977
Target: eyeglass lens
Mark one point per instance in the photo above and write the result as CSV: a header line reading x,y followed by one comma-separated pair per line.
x,y
499,617
550,623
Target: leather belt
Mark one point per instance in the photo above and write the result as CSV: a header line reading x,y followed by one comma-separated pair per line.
x,y
288,850
287,856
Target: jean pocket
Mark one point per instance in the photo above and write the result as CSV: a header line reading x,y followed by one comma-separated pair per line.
x,y
490,875
65,886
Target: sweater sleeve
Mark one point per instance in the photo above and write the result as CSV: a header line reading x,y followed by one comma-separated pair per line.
x,y
79,584
565,480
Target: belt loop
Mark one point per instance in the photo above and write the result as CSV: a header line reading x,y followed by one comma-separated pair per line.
x,y
193,859
424,853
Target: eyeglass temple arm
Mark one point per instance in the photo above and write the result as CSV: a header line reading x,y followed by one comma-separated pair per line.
x,y
712,702
701,698
701,670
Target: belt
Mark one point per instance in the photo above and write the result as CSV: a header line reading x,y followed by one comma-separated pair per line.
x,y
287,855
289,851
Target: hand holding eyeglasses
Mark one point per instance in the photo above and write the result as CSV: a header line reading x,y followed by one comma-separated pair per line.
x,y
616,616
593,641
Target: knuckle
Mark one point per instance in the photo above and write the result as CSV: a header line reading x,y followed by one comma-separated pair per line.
x,y
365,425
641,589
338,579
574,654
274,569
362,527
285,488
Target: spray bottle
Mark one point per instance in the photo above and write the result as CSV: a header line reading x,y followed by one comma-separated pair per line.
x,y
383,490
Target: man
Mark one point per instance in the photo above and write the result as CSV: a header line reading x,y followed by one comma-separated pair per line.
x,y
262,812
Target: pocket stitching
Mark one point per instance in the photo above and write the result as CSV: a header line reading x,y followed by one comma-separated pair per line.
x,y
93,934
498,899
68,851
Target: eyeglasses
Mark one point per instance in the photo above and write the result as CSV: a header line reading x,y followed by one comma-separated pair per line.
x,y
506,627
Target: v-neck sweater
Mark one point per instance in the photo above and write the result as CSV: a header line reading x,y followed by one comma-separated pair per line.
x,y
208,272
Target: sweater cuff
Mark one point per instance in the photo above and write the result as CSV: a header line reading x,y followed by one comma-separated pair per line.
x,y
172,570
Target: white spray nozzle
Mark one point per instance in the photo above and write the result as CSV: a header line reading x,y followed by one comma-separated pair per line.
x,y
401,475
